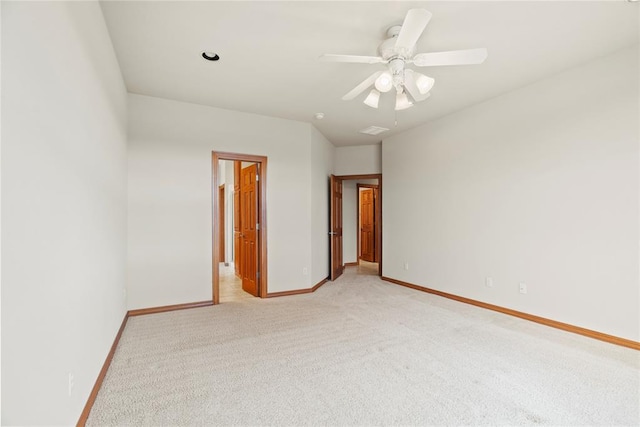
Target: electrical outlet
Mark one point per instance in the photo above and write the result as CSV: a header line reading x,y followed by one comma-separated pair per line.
x,y
71,384
489,282
523,288
305,271
406,265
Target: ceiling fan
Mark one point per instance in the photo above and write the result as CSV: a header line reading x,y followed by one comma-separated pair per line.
x,y
397,52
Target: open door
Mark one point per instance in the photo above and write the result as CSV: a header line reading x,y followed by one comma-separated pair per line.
x,y
249,225
367,225
335,226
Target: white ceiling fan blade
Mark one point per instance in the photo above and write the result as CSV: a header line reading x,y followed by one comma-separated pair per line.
x,y
412,88
351,58
414,24
453,57
362,86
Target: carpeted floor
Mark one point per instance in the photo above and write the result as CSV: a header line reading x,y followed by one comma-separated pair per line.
x,y
360,351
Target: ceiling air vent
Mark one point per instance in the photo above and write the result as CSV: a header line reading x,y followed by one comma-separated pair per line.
x,y
373,130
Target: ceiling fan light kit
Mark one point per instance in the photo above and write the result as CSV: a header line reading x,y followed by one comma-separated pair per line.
x,y
424,83
398,51
372,99
384,82
402,101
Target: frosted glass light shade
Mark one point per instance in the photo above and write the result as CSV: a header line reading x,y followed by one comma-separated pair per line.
x,y
402,102
384,83
424,83
372,99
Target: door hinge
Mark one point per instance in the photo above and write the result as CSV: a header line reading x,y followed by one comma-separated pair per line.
x,y
257,274
258,226
257,177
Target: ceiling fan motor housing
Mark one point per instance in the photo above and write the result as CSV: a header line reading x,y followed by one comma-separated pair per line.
x,y
387,48
396,66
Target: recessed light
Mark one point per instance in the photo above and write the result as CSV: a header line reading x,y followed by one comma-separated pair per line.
x,y
319,116
210,56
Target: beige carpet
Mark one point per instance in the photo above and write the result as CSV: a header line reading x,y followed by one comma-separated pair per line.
x,y
360,351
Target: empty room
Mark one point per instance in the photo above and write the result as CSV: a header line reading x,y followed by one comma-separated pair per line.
x,y
320,213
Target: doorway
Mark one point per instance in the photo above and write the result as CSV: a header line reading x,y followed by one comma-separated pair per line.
x,y
345,231
244,205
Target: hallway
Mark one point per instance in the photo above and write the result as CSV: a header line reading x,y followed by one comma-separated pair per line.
x,y
365,268
231,285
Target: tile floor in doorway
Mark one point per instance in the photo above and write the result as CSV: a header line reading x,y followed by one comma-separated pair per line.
x,y
231,285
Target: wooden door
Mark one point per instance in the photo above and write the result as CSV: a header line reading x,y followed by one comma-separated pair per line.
x,y
335,219
249,226
367,225
237,244
221,227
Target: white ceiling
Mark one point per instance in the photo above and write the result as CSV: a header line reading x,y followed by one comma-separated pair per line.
x,y
269,53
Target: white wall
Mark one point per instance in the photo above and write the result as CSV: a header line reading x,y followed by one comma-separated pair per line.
x,y
64,207
322,152
225,177
358,160
540,186
169,195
